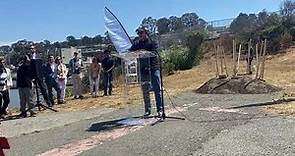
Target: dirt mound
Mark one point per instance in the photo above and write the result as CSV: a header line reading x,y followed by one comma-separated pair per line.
x,y
238,85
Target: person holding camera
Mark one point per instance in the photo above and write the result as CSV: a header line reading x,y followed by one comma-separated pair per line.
x,y
144,42
25,89
76,71
5,84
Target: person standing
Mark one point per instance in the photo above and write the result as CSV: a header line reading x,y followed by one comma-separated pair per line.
x,y
94,76
61,78
107,69
76,71
38,76
25,89
143,42
50,70
5,84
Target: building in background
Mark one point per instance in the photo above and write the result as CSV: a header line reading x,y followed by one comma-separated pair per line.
x,y
85,52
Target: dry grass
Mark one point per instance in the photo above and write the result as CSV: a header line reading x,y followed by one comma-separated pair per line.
x,y
279,71
123,96
284,109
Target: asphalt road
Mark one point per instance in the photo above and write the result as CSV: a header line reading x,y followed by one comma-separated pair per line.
x,y
245,131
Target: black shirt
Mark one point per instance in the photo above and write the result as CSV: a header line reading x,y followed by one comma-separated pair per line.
x,y
107,63
148,45
24,77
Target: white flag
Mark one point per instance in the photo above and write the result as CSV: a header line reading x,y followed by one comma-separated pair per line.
x,y
117,33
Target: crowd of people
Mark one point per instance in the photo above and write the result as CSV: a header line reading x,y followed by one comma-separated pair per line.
x,y
51,76
54,74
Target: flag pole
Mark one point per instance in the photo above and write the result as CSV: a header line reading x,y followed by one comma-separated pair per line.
x,y
119,23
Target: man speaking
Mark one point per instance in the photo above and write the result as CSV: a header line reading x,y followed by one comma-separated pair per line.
x,y
144,42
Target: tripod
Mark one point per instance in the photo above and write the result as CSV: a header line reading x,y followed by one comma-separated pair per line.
x,y
39,104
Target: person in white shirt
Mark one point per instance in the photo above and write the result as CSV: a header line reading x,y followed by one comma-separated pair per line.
x,y
62,72
5,84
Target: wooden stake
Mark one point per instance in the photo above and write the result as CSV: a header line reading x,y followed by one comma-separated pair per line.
x,y
263,61
248,57
239,56
257,61
221,60
225,66
234,58
216,61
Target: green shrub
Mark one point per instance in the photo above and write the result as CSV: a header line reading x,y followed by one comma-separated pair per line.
x,y
175,58
181,57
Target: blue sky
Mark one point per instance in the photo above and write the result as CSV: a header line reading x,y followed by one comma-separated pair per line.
x,y
55,19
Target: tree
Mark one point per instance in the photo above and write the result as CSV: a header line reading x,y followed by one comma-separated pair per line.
x,y
86,41
150,24
163,25
57,45
288,8
189,19
262,18
98,39
175,24
202,23
72,41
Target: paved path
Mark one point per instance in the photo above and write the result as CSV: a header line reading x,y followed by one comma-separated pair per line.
x,y
211,128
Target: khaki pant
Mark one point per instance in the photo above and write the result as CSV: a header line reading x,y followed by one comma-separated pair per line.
x,y
77,84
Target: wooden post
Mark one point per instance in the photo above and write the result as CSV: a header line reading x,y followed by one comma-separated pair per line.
x,y
257,61
220,59
216,61
225,66
260,57
239,56
248,57
234,58
263,61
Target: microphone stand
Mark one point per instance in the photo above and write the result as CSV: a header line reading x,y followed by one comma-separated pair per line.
x,y
164,116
